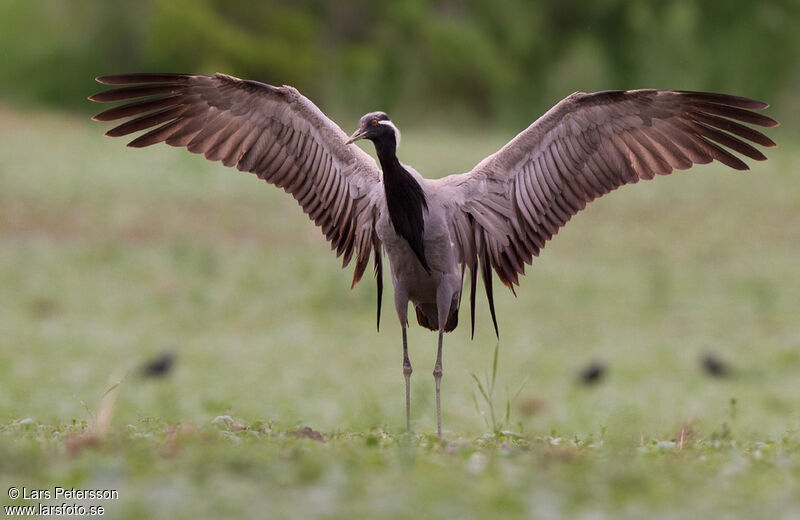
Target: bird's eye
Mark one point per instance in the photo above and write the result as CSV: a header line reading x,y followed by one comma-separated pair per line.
x,y
374,122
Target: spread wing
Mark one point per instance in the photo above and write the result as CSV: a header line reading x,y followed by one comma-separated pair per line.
x,y
274,132
514,201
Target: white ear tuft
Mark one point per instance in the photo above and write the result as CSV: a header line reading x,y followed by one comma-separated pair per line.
x,y
396,131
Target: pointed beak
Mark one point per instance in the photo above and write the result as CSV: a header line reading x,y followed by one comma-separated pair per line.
x,y
358,134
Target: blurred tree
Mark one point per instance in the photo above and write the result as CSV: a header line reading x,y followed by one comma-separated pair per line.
x,y
505,60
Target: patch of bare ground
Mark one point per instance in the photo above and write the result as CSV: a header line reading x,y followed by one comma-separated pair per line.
x,y
307,433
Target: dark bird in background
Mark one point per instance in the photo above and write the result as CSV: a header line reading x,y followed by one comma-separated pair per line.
x,y
592,373
489,221
714,366
159,366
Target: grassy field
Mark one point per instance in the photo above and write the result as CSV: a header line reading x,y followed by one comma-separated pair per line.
x,y
109,256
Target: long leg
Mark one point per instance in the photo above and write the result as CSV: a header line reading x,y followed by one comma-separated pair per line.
x,y
407,374
437,377
444,300
401,306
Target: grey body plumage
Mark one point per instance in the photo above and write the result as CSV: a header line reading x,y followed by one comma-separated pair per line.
x,y
490,221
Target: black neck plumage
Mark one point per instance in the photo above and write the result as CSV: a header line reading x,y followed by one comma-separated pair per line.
x,y
405,199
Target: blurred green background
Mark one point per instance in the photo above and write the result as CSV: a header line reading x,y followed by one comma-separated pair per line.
x,y
110,256
505,60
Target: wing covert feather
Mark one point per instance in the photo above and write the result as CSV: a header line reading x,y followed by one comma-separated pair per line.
x,y
504,211
273,132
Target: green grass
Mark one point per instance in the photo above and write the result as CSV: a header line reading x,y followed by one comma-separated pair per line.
x,y
110,255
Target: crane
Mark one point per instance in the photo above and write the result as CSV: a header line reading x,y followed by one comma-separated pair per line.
x,y
490,221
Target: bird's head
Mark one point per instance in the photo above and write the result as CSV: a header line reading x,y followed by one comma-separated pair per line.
x,y
376,126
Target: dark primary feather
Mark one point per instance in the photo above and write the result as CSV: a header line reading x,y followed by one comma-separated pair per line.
x,y
517,199
273,132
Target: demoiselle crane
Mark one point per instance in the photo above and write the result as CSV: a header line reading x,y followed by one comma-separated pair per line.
x,y
491,220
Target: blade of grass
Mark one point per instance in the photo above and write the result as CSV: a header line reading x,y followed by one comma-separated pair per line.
x,y
478,409
480,387
494,366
